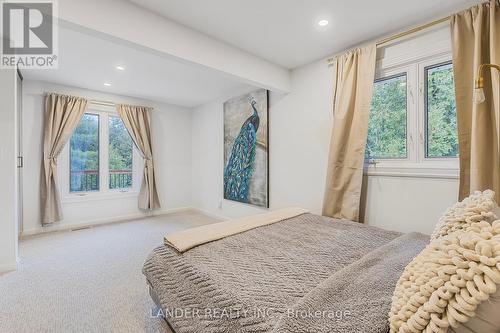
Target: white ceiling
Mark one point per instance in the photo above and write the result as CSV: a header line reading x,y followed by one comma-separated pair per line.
x,y
281,31
285,31
88,61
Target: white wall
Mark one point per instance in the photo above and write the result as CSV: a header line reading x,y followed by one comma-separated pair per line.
x,y
8,170
408,203
171,130
300,127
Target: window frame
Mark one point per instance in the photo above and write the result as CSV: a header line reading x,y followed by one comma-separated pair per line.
x,y
104,112
389,76
98,156
426,105
134,151
431,162
416,164
393,163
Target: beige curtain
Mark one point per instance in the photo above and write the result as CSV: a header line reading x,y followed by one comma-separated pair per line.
x,y
62,115
476,40
137,122
354,76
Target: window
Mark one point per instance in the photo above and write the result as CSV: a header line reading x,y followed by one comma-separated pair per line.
x,y
120,155
84,155
440,112
101,158
412,127
387,127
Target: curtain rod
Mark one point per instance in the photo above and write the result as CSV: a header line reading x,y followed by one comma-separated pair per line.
x,y
103,103
389,39
112,104
98,102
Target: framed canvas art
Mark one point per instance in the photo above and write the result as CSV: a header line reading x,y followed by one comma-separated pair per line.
x,y
246,149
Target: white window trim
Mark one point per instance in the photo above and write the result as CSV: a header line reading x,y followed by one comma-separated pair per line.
x,y
448,162
416,164
104,192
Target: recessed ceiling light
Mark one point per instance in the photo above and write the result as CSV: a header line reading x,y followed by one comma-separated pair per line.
x,y
107,84
323,23
120,68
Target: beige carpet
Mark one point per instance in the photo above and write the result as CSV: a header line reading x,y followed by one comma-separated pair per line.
x,y
88,280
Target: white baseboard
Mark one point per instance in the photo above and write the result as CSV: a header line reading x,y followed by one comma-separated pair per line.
x,y
96,222
8,268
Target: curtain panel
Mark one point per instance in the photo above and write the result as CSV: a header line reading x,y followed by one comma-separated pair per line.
x,y
62,115
137,121
354,74
476,40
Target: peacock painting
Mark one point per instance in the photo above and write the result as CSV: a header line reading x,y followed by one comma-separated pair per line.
x,y
245,149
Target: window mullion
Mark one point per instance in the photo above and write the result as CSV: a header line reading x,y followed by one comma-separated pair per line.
x,y
421,113
412,126
103,155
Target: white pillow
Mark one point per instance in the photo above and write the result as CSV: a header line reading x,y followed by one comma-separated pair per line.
x,y
442,285
479,206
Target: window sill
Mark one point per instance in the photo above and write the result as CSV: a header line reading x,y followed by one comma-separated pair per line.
x,y
412,172
85,197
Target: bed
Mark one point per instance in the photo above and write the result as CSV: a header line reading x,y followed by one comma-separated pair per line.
x,y
307,273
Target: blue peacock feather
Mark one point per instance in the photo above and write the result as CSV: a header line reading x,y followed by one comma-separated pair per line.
x,y
239,168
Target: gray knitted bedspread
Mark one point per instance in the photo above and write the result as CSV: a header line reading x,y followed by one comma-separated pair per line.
x,y
307,274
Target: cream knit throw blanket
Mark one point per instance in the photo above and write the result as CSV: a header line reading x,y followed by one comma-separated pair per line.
x,y
458,270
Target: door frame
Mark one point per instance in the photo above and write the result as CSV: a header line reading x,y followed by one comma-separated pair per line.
x,y
19,152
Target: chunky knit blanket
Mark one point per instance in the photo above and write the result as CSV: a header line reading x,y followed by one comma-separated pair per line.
x,y
305,274
444,285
